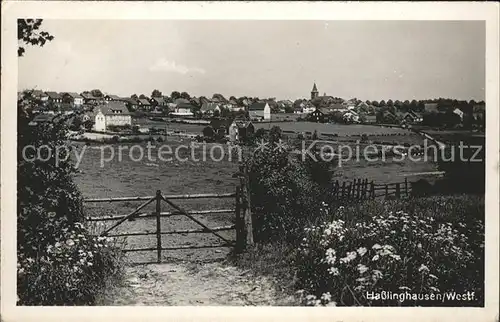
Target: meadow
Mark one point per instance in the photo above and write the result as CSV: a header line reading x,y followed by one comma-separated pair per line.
x,y
127,177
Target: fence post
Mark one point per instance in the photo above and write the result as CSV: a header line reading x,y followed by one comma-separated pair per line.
x,y
386,191
406,187
240,231
372,190
358,189
158,225
343,190
246,206
398,191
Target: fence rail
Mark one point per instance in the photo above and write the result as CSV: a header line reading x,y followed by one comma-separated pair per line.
x,y
362,189
178,211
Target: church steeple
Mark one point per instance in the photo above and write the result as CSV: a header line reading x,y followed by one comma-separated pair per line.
x,y
314,92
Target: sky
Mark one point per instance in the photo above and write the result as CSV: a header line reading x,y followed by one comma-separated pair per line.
x,y
371,60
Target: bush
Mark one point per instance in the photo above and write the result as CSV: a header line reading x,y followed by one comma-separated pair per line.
x,y
284,193
72,271
50,212
432,245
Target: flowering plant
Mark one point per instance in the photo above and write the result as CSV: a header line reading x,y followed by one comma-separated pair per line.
x,y
340,262
70,271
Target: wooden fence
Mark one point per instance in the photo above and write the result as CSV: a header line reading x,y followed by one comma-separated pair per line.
x,y
243,224
362,189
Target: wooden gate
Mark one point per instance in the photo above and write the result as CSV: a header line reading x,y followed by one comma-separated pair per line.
x,y
240,210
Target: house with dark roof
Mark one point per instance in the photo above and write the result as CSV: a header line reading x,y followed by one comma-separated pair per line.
x,y
113,113
183,110
90,99
73,98
158,101
260,111
109,98
144,104
240,129
412,117
320,115
54,97
39,95
210,108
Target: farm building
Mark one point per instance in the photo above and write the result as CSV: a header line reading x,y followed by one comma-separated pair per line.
x,y
210,108
110,98
158,101
412,117
144,104
183,110
239,130
260,111
39,95
54,97
320,115
111,114
88,98
73,98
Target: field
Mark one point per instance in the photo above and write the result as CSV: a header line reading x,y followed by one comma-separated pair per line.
x,y
128,178
125,177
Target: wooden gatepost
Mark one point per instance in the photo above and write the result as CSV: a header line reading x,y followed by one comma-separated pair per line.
x,y
244,225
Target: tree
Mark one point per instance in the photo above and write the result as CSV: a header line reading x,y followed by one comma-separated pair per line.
x,y
390,103
382,103
175,95
275,134
185,95
156,93
29,34
142,96
375,103
134,96
96,93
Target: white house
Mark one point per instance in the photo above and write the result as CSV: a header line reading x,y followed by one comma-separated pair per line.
x,y
308,109
459,112
75,98
210,108
260,110
183,110
111,114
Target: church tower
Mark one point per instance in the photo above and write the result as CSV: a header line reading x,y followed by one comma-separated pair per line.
x,y
314,92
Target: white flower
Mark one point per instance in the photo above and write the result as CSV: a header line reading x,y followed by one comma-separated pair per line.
x,y
396,257
333,271
362,268
375,258
70,242
423,268
377,274
376,246
362,251
326,297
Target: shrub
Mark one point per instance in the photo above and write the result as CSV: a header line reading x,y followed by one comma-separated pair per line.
x,y
373,248
50,212
72,271
285,193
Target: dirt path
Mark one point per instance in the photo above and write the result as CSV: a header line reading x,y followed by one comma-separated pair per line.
x,y
187,283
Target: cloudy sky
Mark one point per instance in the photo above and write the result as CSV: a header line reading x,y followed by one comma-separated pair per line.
x,y
365,59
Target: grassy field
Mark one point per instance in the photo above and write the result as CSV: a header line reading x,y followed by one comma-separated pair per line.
x,y
126,177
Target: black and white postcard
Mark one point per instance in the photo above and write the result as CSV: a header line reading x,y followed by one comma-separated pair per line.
x,y
192,160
